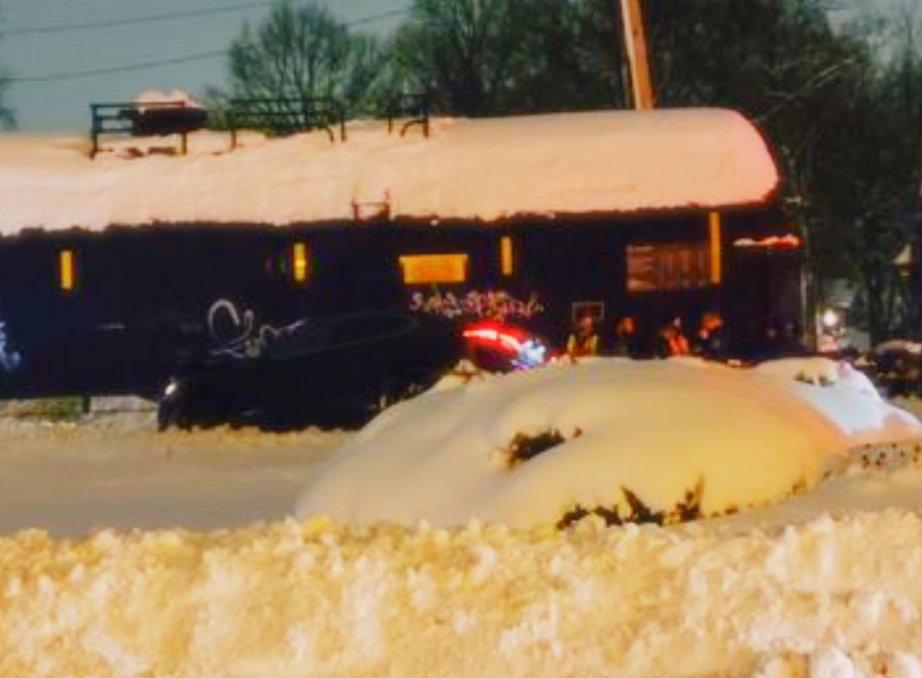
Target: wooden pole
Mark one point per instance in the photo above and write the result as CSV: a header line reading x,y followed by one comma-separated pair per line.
x,y
635,42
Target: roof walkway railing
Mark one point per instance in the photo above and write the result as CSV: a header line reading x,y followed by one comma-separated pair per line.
x,y
280,117
160,118
273,116
414,108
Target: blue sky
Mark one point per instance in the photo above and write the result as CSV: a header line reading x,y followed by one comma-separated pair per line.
x,y
62,104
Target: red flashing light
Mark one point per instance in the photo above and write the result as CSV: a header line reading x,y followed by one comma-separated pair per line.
x,y
482,333
505,338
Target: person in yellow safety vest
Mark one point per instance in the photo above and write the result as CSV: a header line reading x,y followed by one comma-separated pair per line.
x,y
583,340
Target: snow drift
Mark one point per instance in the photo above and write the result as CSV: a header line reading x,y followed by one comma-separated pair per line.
x,y
829,599
608,436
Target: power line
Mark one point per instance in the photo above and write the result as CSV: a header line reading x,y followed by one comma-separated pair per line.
x,y
377,17
75,75
113,23
154,18
200,56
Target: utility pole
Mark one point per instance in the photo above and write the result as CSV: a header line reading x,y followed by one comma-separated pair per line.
x,y
635,43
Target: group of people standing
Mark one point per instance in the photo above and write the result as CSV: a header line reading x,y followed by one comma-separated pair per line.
x,y
670,340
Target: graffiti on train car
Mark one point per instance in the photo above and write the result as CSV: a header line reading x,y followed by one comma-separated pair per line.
x,y
237,334
9,358
491,304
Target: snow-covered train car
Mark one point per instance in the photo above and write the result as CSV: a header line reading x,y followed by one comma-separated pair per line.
x,y
114,271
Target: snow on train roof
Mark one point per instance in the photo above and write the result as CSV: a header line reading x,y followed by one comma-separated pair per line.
x,y
612,161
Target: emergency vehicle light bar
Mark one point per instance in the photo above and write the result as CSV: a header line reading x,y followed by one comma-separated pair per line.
x,y
786,240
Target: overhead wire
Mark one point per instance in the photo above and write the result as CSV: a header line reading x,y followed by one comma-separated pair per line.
x,y
14,31
115,23
74,75
199,56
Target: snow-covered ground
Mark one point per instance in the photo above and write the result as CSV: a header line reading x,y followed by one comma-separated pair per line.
x,y
116,471
822,584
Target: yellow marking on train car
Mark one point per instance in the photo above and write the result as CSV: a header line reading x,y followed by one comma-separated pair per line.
x,y
506,256
66,271
714,238
422,269
299,262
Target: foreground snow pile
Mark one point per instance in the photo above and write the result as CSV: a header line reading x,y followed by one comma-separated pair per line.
x,y
829,599
611,437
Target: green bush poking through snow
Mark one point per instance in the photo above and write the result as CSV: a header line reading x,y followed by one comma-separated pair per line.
x,y
524,447
638,512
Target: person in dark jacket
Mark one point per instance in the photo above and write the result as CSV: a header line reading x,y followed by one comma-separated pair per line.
x,y
624,341
782,340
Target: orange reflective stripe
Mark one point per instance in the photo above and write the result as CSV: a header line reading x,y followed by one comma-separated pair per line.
x,y
678,346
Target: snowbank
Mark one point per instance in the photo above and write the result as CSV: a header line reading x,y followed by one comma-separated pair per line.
x,y
613,161
547,446
784,591
829,599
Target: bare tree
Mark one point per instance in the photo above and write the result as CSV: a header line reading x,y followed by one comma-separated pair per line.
x,y
864,177
488,57
458,50
302,53
6,114
7,119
